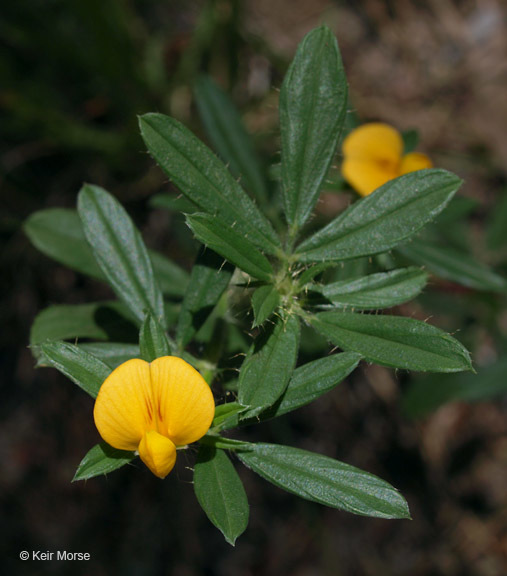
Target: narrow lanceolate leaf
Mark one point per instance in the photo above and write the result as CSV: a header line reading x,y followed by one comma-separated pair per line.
x,y
312,380
227,415
376,291
153,341
111,353
102,459
58,233
394,341
385,218
313,103
173,203
230,244
265,300
220,492
496,231
321,479
84,369
98,321
209,278
120,252
268,366
427,393
454,265
228,135
204,179
171,278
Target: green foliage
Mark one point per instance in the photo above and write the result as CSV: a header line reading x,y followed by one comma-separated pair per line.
x,y
120,252
382,220
381,290
455,265
58,233
312,380
265,300
220,492
269,269
324,480
427,394
313,103
83,368
233,246
229,137
394,341
153,341
102,459
268,366
98,321
204,180
208,281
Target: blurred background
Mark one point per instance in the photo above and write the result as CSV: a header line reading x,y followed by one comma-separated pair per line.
x,y
73,77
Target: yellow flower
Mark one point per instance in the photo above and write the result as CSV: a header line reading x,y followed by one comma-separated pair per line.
x,y
373,155
153,408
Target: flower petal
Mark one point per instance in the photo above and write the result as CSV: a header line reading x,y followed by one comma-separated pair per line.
x,y
414,161
158,453
373,142
365,177
185,403
122,407
372,155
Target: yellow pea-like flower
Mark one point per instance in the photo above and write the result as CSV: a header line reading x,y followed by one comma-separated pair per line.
x,y
373,155
154,408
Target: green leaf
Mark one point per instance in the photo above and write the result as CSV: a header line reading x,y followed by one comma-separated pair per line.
x,y
425,394
458,209
102,459
410,140
313,103
216,441
173,203
385,218
376,291
265,300
99,321
454,265
172,279
227,415
153,341
84,369
308,274
231,245
58,233
394,341
312,380
326,481
496,231
268,366
120,252
228,135
111,353
204,180
220,492
209,278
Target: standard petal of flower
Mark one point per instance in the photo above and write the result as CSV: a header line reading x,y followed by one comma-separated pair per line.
x,y
372,155
124,405
414,161
365,177
186,404
158,453
374,142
